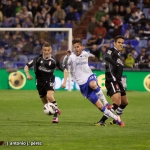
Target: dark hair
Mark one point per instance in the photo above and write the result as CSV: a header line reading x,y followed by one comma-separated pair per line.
x,y
76,41
46,44
118,37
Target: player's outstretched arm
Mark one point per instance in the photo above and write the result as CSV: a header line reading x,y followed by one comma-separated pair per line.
x,y
26,70
91,55
108,58
65,78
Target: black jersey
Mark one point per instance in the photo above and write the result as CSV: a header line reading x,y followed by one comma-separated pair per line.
x,y
44,68
114,65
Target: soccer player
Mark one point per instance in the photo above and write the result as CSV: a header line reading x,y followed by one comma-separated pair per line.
x,y
83,76
44,66
113,74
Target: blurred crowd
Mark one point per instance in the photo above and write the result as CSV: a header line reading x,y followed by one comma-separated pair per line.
x,y
20,47
129,18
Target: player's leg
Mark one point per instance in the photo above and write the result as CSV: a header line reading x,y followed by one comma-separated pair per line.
x,y
50,93
94,99
50,98
124,100
124,103
94,85
44,100
113,90
89,93
42,92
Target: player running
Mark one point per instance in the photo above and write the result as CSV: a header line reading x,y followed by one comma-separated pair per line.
x,y
114,69
82,74
44,66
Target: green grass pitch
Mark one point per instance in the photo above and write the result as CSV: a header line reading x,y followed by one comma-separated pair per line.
x,y
22,119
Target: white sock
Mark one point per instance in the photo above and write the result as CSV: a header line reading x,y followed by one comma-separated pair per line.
x,y
101,96
110,114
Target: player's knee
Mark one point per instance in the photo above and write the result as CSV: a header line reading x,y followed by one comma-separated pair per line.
x,y
93,85
116,98
124,101
93,98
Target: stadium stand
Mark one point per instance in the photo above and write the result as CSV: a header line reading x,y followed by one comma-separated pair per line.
x,y
85,18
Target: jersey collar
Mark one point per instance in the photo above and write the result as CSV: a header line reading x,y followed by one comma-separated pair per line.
x,y
117,50
45,58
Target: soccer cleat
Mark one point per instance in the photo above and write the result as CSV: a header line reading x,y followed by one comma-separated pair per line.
x,y
100,123
122,124
109,106
113,122
58,111
55,120
119,122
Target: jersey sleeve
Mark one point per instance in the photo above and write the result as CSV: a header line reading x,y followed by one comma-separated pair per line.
x,y
66,61
90,54
109,59
31,63
59,64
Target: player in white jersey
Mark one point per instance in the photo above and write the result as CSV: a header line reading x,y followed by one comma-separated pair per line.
x,y
87,81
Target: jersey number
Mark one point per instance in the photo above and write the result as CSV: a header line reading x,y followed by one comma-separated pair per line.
x,y
51,84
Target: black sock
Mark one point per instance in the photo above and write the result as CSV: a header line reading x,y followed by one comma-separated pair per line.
x,y
120,109
55,103
115,106
105,117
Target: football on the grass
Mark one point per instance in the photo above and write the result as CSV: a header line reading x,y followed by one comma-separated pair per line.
x,y
49,109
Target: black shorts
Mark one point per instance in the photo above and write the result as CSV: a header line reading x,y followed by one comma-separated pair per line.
x,y
115,87
44,87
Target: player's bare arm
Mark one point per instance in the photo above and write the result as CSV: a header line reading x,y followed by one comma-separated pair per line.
x,y
65,78
65,63
26,70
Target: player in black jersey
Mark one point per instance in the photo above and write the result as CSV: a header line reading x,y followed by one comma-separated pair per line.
x,y
44,66
113,83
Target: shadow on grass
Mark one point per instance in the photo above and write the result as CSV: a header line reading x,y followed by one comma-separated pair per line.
x,y
43,123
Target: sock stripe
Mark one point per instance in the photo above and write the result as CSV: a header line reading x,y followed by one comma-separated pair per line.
x,y
119,111
55,103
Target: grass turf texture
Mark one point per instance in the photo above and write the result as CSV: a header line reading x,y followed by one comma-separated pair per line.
x,y
22,119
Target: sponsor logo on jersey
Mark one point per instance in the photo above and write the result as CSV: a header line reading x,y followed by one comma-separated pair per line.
x,y
119,61
109,52
117,87
81,63
44,69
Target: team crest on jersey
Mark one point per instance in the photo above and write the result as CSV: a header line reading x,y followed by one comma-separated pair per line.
x,y
41,62
117,87
49,63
